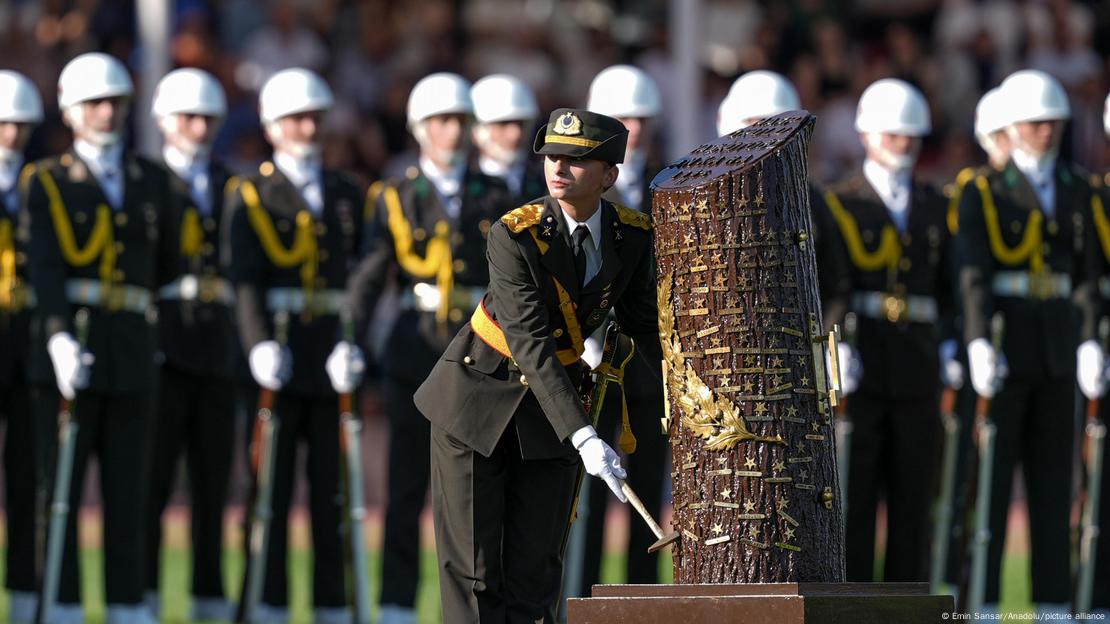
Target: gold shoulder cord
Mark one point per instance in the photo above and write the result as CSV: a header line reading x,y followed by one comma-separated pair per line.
x,y
886,256
1102,225
437,260
1028,250
962,178
192,236
7,263
303,252
101,242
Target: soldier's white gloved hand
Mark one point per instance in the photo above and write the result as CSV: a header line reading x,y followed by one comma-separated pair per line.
x,y
271,364
591,353
1090,362
951,370
599,459
851,368
72,364
345,366
988,368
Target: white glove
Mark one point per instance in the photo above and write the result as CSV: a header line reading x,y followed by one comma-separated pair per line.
x,y
851,368
591,353
951,370
271,364
345,366
72,364
988,368
1090,363
599,459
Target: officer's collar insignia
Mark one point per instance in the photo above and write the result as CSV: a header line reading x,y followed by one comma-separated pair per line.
x,y
617,234
567,125
548,227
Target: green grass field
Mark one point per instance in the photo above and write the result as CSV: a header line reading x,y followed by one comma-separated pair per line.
x,y
177,570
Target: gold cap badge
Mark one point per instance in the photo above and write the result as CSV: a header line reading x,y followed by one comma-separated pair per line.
x,y
568,124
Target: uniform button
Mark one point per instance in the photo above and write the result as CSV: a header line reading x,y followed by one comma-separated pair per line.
x,y
121,219
460,266
558,333
80,217
1053,228
1015,227
418,234
523,380
455,315
119,247
266,168
468,360
605,303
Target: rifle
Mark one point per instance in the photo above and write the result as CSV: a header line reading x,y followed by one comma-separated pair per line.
x,y
263,447
943,526
350,430
1095,432
985,432
844,425
63,475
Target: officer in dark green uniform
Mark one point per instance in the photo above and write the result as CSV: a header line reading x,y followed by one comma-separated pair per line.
x,y
428,234
293,235
504,401
896,237
1024,242
104,237
196,395
23,407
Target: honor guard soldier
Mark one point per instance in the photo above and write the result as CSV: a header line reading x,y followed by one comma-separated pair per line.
x,y
104,238
196,408
428,231
293,239
509,427
23,406
629,95
505,113
755,96
1100,597
894,231
1027,261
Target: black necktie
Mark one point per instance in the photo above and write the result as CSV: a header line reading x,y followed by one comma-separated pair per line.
x,y
577,238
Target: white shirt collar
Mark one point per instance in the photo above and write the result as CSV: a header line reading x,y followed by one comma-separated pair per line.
x,y
447,183
883,180
98,158
593,224
9,171
300,171
182,164
1038,170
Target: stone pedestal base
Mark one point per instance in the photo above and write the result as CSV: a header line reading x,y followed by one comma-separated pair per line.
x,y
761,603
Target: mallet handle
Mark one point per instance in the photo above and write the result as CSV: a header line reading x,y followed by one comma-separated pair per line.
x,y
638,505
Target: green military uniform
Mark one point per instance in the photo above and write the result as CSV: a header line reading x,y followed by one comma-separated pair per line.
x,y
435,255
27,408
84,253
901,291
1100,202
196,398
504,398
287,260
1032,268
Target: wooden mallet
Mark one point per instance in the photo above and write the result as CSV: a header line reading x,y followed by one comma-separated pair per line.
x,y
638,505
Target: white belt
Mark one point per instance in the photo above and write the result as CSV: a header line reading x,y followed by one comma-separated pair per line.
x,y
894,308
294,301
1031,285
113,297
425,297
203,289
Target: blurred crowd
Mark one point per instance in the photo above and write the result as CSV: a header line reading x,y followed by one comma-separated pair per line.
x,y
373,51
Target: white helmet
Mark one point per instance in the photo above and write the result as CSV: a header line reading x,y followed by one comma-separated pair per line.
x,y
893,106
502,97
1106,115
19,98
990,114
439,94
189,91
755,95
1032,95
92,76
293,91
624,91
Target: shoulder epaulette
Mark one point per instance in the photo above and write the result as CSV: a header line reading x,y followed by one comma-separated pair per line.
x,y
522,218
632,217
